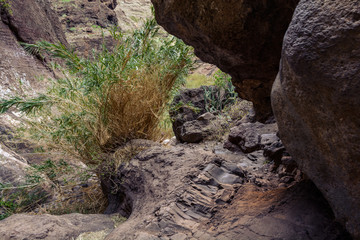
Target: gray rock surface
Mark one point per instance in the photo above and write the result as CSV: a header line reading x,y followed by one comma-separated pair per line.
x,y
316,101
187,192
188,106
242,38
49,227
249,137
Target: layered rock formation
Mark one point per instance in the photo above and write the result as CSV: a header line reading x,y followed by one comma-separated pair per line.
x,y
316,100
187,192
243,38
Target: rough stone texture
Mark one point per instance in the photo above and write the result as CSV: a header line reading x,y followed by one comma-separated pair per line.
x,y
248,137
195,191
242,38
66,227
187,192
316,101
12,167
25,24
188,106
18,70
84,23
132,13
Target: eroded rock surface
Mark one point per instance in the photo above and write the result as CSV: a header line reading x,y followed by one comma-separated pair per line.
x,y
37,22
184,193
84,23
67,227
242,38
316,101
199,191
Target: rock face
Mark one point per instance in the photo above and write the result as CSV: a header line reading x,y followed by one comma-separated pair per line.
x,y
38,22
196,191
188,106
242,38
84,23
316,101
132,13
50,227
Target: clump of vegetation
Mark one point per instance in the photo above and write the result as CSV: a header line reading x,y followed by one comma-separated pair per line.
x,y
105,101
5,6
217,98
68,186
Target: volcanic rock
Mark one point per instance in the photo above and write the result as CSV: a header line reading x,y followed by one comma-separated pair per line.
x,y
242,38
316,101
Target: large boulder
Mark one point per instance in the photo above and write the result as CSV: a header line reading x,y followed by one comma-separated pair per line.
x,y
316,99
242,38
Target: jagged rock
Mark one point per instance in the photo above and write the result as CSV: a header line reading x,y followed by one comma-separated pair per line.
x,y
22,226
197,130
192,132
316,101
180,192
242,38
247,136
188,106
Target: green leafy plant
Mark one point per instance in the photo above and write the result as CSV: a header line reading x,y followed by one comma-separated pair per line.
x,y
104,101
5,6
223,94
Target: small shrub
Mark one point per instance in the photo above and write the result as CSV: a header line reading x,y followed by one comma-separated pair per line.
x,y
214,97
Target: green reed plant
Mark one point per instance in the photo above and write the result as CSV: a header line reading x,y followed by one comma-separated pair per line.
x,y
102,102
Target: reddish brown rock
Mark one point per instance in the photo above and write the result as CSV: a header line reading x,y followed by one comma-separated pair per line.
x,y
316,100
243,38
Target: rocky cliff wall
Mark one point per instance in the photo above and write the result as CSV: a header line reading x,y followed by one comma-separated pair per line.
x,y
21,73
243,38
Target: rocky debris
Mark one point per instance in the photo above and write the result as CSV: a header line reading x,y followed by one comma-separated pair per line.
x,y
250,137
197,130
184,193
84,23
316,101
242,38
67,227
188,106
196,191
